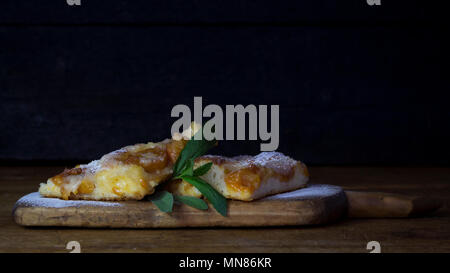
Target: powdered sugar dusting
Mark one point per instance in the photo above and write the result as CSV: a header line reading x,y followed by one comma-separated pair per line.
x,y
274,161
94,166
36,200
278,162
310,192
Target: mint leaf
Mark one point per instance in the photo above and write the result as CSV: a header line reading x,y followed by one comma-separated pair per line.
x,y
184,169
192,202
163,200
192,150
188,168
217,200
203,169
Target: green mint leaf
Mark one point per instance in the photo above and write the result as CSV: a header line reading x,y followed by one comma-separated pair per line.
x,y
217,200
203,169
192,202
188,168
163,200
193,149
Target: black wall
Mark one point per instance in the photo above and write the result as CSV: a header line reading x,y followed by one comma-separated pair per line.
x,y
356,84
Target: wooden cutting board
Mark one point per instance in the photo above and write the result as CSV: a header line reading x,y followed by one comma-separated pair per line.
x,y
315,204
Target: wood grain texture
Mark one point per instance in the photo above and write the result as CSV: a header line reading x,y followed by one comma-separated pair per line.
x,y
388,205
317,204
430,234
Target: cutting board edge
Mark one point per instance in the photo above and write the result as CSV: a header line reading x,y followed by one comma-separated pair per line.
x,y
316,211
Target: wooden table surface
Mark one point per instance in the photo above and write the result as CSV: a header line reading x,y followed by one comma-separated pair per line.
x,y
431,234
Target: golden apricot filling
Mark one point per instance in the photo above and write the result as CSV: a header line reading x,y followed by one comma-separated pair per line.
x,y
152,163
86,187
242,180
174,149
150,159
117,190
144,184
128,173
65,194
59,179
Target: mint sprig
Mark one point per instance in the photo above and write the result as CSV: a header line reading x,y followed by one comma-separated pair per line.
x,y
163,200
203,169
184,169
195,147
218,201
192,201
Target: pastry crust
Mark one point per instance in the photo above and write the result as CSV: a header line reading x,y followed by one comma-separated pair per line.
x,y
129,173
248,178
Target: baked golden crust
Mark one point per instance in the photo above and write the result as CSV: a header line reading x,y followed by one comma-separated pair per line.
x,y
129,173
249,177
265,164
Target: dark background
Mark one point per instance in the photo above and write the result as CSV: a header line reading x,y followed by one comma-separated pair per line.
x,y
356,84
